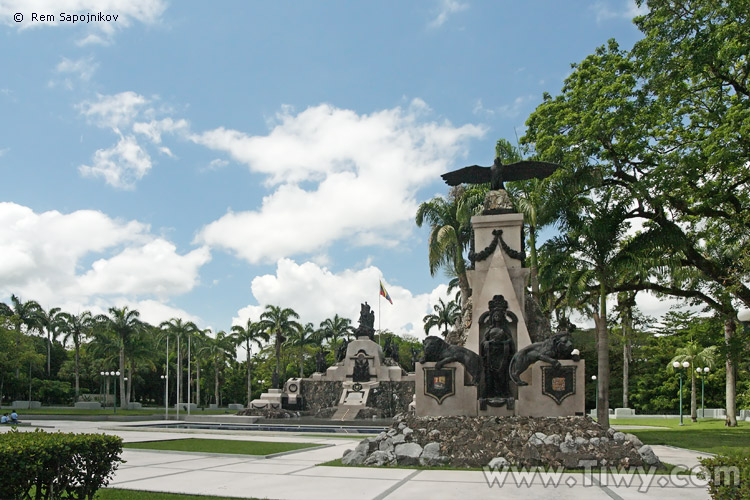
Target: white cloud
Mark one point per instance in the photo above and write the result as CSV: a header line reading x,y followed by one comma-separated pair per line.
x,y
82,69
114,111
316,293
627,9
44,258
127,12
445,9
155,128
121,165
365,170
125,163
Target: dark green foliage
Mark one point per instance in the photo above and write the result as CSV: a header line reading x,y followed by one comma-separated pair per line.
x,y
56,465
728,476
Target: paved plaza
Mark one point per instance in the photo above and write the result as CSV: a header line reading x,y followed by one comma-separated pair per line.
x,y
298,475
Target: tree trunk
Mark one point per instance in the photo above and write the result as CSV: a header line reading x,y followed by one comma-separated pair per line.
x,y
533,265
277,368
249,373
49,352
731,386
625,372
130,384
198,382
216,387
302,363
122,376
693,396
602,348
78,376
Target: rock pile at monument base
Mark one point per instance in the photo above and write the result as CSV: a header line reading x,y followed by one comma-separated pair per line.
x,y
512,441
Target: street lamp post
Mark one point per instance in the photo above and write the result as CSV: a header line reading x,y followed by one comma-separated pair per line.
x,y
677,365
106,376
596,394
702,372
166,396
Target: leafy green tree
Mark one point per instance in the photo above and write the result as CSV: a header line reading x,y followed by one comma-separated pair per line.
x,y
281,323
253,333
445,316
77,327
24,316
218,350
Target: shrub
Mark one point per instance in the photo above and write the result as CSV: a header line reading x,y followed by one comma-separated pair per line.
x,y
56,465
728,476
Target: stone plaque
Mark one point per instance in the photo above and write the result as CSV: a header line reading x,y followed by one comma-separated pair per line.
x,y
558,382
439,384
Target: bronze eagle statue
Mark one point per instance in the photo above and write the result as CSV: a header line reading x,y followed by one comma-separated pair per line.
x,y
498,173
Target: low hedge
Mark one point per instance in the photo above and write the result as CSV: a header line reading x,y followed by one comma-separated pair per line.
x,y
728,476
40,465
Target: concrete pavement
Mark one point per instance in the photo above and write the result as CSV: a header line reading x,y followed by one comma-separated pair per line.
x,y
298,476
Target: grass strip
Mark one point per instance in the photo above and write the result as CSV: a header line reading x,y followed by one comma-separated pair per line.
x,y
220,446
159,412
120,494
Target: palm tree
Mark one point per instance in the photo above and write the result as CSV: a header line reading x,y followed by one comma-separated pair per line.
x,y
178,328
123,322
450,233
217,350
335,328
591,256
250,333
697,356
50,322
77,327
300,339
280,323
22,314
445,315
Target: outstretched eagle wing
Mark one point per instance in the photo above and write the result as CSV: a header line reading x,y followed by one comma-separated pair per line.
x,y
473,174
528,169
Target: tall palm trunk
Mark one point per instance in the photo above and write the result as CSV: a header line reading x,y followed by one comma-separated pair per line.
x,y
249,381
731,384
198,382
627,346
277,369
49,352
216,386
602,349
77,359
122,376
533,263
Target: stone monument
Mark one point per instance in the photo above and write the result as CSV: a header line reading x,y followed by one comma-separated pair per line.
x,y
514,376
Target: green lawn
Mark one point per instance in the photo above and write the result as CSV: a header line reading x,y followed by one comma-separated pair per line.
x,y
705,435
220,446
117,494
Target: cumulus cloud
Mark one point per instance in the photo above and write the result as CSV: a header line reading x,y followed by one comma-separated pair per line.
x,y
445,9
128,115
45,255
317,293
114,111
121,165
337,175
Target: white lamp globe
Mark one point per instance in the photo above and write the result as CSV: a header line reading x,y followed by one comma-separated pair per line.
x,y
685,364
676,364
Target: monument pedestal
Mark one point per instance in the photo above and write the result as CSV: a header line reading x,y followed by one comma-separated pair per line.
x,y
270,399
442,392
551,392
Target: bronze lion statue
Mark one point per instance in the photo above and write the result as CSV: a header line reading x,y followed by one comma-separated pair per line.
x,y
441,352
550,350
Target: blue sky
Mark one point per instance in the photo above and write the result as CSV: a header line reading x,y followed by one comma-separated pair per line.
x,y
202,161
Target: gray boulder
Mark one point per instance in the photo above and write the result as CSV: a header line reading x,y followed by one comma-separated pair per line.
x,y
356,456
498,463
537,439
553,439
634,439
379,458
399,439
648,455
431,455
408,453
619,437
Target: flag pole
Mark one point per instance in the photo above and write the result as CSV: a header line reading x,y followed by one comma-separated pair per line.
x,y
380,334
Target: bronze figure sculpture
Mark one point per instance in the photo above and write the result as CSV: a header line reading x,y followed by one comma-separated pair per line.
x,y
497,348
498,173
